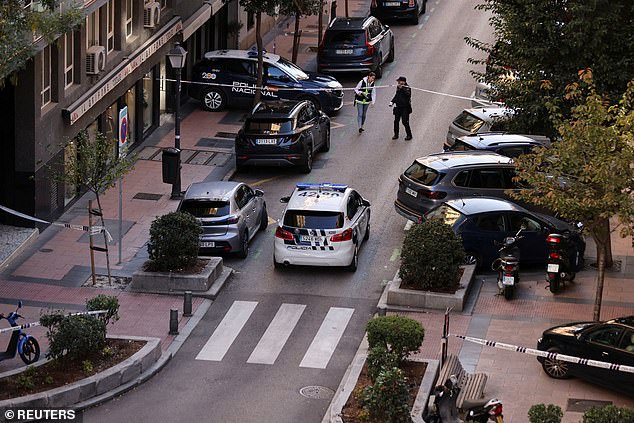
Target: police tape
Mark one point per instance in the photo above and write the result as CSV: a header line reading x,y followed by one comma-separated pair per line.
x,y
94,230
34,324
549,355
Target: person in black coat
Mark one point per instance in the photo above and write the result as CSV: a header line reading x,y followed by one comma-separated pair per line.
x,y
402,102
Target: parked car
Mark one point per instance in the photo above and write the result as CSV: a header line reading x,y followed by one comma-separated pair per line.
x,y
355,44
510,145
476,121
230,213
282,133
611,342
322,225
434,179
398,9
235,73
483,221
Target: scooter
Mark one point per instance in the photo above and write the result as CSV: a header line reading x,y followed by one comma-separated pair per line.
x,y
559,268
508,265
25,345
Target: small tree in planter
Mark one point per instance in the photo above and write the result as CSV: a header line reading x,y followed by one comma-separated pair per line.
x,y
541,413
173,242
386,400
396,334
431,257
608,414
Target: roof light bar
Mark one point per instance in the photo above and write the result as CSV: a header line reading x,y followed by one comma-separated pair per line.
x,y
324,186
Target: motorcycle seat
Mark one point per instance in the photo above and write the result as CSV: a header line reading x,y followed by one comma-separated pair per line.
x,y
472,403
510,259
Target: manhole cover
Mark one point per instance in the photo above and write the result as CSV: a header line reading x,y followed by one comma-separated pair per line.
x,y
316,392
147,196
583,405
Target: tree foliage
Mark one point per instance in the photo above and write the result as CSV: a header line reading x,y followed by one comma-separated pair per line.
x,y
19,24
299,9
544,43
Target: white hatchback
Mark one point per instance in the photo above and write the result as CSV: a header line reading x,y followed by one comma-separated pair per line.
x,y
323,225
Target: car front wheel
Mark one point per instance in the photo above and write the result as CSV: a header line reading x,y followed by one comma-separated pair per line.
x,y
308,163
214,100
555,368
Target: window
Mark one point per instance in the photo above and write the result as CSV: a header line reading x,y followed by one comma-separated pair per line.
x,y
312,112
205,208
512,151
45,60
250,21
163,4
607,335
374,29
268,127
517,220
69,59
110,28
313,219
627,343
92,30
421,173
468,122
236,66
128,17
353,205
338,38
491,222
242,197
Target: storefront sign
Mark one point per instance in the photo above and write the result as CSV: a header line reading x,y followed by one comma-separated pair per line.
x,y
123,131
77,111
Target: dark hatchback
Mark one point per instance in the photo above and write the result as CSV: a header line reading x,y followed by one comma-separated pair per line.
x,y
611,341
282,133
398,9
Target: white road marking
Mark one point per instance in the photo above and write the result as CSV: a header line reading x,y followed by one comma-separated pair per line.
x,y
277,334
327,338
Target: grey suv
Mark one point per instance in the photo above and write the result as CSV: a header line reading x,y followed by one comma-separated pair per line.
x,y
436,178
230,213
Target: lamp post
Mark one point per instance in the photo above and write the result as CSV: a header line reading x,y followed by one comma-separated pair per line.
x,y
177,57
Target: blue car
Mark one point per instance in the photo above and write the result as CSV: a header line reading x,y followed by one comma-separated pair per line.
x,y
483,221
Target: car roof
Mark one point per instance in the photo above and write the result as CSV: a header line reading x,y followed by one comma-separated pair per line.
x,y
496,138
474,205
348,23
275,109
451,159
214,190
241,54
322,200
490,113
626,321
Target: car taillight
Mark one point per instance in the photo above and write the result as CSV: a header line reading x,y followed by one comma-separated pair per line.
x,y
496,411
281,233
508,268
232,220
553,239
434,195
411,3
343,236
368,46
555,256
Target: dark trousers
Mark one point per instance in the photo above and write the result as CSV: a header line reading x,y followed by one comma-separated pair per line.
x,y
401,115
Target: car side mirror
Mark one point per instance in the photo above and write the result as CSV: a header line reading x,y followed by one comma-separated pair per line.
x,y
285,199
365,202
259,193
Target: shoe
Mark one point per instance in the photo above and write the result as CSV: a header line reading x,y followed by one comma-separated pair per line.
x,y
361,130
407,138
395,137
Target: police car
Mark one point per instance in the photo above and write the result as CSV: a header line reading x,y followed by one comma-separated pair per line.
x,y
323,225
235,73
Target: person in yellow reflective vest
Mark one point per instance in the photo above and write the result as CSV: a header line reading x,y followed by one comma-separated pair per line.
x,y
364,95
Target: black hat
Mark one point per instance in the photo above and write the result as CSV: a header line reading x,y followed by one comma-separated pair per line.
x,y
401,78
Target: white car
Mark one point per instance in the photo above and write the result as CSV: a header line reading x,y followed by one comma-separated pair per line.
x,y
323,225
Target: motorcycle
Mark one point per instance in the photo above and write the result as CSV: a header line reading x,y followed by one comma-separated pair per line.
x,y
508,264
442,406
25,345
560,265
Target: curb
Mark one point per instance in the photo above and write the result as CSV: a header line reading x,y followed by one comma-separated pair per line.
x,y
30,240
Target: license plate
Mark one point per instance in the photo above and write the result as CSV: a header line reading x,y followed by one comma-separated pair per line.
x,y
552,267
411,192
266,141
309,238
508,280
344,51
207,244
391,3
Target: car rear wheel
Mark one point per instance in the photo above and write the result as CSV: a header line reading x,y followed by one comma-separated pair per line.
x,y
379,68
415,18
367,232
214,100
472,258
424,8
326,145
352,267
555,368
243,252
308,163
264,219
390,57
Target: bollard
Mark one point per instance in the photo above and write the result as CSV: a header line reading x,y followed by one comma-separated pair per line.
x,y
173,322
187,304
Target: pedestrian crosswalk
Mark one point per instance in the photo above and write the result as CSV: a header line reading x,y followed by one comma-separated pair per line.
x,y
277,334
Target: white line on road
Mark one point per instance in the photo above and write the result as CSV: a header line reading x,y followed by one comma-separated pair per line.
x,y
327,338
227,331
277,334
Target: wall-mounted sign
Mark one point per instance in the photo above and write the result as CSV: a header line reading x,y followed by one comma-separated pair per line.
x,y
123,131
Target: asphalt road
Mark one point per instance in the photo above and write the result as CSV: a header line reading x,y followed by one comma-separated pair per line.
x,y
322,312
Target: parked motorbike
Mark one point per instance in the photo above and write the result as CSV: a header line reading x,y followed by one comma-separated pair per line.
x,y
25,345
508,264
442,406
560,266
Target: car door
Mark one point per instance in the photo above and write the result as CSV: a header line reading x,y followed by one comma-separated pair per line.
x,y
251,209
532,245
240,74
386,40
245,211
306,129
625,355
600,343
354,216
313,120
480,234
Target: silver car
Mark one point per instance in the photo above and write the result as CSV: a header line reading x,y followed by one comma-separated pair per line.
x,y
230,214
476,121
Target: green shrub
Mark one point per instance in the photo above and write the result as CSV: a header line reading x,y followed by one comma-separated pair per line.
x,y
608,414
387,400
87,367
397,334
431,256
541,413
173,243
74,337
26,379
379,358
104,302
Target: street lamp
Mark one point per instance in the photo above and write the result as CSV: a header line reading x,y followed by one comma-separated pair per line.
x,y
177,57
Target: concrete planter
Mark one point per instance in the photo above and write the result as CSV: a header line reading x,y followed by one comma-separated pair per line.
x,y
165,282
397,296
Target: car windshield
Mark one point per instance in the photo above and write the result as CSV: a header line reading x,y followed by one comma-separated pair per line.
x,y
445,213
461,146
291,69
310,219
269,127
468,122
205,208
338,38
421,173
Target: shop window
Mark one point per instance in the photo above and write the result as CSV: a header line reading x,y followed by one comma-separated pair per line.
x,y
110,28
129,15
46,71
69,59
92,30
130,101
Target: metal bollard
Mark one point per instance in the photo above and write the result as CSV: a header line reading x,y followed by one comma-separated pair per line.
x,y
187,304
173,322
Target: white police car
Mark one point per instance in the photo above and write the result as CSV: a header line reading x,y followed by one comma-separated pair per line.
x,y
323,225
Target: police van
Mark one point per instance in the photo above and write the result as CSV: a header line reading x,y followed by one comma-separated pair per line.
x,y
228,78
323,225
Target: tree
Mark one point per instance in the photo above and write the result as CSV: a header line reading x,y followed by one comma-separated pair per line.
x,y
588,175
95,167
48,18
543,43
298,8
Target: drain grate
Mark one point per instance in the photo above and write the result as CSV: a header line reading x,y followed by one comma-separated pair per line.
x,y
46,250
147,196
317,392
215,142
583,405
226,134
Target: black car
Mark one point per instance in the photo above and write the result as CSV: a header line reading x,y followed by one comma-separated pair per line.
x,y
228,78
510,145
611,342
356,44
398,9
282,133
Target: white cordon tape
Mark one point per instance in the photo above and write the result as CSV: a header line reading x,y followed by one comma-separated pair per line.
x,y
30,325
549,355
97,229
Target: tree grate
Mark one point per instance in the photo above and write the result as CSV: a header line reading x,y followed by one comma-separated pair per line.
x,y
147,196
583,405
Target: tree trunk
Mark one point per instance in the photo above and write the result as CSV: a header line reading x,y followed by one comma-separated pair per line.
x,y
609,260
320,22
347,15
105,238
296,38
601,234
260,70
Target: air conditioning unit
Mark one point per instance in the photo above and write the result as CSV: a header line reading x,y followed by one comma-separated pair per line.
x,y
152,15
95,60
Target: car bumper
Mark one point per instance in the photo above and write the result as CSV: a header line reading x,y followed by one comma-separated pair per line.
x,y
274,160
229,242
305,255
407,212
332,102
335,67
